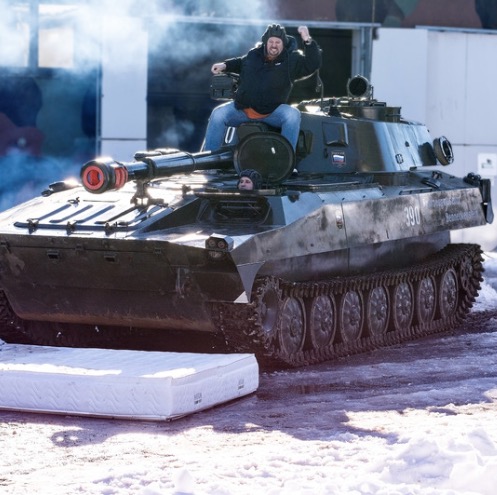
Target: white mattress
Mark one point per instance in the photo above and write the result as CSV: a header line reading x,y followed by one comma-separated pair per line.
x,y
121,383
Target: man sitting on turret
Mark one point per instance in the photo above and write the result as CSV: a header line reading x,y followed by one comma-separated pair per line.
x,y
267,73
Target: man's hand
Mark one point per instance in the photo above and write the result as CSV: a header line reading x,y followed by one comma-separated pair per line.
x,y
218,68
304,33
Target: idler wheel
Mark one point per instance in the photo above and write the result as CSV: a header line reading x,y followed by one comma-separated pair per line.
x,y
466,273
448,293
426,298
402,306
291,325
267,299
351,315
377,311
321,320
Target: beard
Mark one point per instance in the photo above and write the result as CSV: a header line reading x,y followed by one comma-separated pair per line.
x,y
273,52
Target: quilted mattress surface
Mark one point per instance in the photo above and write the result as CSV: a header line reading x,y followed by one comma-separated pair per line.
x,y
121,383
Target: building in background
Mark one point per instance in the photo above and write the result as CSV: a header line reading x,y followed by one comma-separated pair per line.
x,y
77,74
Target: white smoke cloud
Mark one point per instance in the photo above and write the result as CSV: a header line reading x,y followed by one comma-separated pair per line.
x,y
74,31
71,36
14,35
23,178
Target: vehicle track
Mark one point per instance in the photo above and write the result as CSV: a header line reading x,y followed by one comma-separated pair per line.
x,y
412,308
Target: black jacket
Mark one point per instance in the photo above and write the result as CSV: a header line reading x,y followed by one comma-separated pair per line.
x,y
265,85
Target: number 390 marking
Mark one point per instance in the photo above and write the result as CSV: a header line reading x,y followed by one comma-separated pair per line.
x,y
413,216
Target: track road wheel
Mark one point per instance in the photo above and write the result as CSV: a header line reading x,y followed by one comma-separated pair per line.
x,y
377,311
321,321
402,306
426,298
351,316
448,294
291,327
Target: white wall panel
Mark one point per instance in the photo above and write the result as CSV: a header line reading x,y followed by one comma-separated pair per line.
x,y
124,85
122,149
399,70
481,102
445,79
446,88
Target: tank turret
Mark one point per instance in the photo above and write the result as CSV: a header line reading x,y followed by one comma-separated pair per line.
x,y
345,246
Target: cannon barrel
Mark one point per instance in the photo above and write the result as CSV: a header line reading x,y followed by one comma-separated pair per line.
x,y
105,174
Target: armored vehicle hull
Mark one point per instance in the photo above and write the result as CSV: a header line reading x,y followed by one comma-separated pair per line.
x,y
344,248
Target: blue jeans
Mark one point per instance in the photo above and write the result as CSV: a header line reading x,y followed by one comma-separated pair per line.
x,y
226,115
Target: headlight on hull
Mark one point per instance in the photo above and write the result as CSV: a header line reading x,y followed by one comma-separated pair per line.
x,y
218,246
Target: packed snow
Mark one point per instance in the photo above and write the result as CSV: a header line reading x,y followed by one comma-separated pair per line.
x,y
417,418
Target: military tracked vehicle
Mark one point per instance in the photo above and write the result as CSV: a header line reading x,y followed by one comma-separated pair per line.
x,y
345,247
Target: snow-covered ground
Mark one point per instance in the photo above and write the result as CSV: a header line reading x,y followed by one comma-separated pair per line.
x,y
418,418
